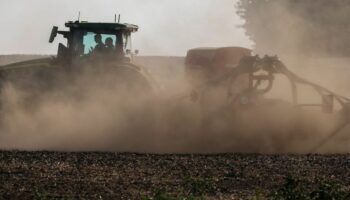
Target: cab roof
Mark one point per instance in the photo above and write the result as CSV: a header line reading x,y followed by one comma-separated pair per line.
x,y
99,25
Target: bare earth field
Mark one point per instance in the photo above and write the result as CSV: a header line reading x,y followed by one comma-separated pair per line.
x,y
53,175
8,59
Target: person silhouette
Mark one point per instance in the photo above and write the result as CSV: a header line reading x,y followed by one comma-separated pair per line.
x,y
100,47
109,44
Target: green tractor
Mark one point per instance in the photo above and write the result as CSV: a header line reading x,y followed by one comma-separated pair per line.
x,y
96,54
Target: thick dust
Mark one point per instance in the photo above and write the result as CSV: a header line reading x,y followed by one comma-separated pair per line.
x,y
90,116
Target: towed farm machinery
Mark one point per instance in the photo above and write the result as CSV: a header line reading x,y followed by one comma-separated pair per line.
x,y
246,81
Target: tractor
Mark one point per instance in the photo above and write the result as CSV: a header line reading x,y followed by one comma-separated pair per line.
x,y
96,54
93,73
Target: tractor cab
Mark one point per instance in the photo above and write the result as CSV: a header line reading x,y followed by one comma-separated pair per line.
x,y
87,40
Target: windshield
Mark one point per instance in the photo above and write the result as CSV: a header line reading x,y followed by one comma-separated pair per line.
x,y
91,42
102,43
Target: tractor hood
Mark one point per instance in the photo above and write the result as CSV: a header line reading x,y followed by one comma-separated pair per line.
x,y
36,63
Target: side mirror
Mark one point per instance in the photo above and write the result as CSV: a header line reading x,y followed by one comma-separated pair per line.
x,y
327,103
53,34
128,52
137,52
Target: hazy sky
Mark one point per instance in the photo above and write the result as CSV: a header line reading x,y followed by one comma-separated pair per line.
x,y
167,27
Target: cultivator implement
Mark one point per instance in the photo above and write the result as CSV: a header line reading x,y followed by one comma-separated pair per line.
x,y
261,73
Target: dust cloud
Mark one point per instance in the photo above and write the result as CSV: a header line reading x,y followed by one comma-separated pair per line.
x,y
98,113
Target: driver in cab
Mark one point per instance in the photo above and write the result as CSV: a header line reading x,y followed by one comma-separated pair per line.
x,y
102,48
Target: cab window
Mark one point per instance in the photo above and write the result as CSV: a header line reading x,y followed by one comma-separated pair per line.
x,y
89,42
